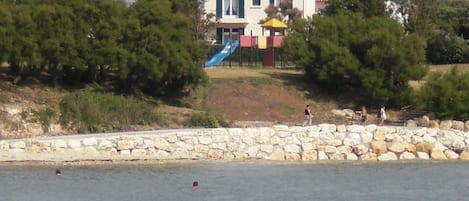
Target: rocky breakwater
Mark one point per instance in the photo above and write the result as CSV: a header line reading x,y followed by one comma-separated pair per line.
x,y
279,142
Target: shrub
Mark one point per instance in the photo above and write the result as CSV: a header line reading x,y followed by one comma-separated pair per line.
x,y
445,48
44,116
206,120
99,112
446,95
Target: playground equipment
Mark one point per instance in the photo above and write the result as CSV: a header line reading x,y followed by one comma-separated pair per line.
x,y
265,43
229,48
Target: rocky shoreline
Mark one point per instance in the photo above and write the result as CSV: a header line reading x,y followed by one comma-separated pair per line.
x,y
323,142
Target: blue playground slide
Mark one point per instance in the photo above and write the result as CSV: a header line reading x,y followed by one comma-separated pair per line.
x,y
225,52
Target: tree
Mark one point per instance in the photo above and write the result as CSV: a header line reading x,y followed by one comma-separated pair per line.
x,y
283,12
168,59
346,51
419,16
446,95
445,48
368,8
6,30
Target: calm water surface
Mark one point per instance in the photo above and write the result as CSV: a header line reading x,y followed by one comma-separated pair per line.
x,y
220,181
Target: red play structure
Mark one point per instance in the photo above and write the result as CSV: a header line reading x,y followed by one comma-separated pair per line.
x,y
265,43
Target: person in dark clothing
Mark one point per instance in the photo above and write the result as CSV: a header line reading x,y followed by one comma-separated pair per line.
x,y
308,116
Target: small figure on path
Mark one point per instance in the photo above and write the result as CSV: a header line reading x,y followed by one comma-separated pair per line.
x,y
58,172
382,115
308,116
363,115
195,185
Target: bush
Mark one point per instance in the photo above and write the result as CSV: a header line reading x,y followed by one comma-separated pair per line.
x,y
446,48
44,116
446,95
206,120
99,112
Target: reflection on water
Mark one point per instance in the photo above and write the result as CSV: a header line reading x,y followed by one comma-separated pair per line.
x,y
238,181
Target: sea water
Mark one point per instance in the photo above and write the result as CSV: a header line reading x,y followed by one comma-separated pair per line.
x,y
244,181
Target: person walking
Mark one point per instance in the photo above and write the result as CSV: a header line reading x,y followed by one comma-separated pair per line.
x,y
382,116
308,116
363,115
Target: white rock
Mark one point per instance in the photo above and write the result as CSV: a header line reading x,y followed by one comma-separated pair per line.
x,y
205,140
334,142
411,123
397,147
351,142
429,139
446,124
458,125
105,144
366,137
253,150
450,154
388,156
322,156
371,128
355,128
416,139
351,156
267,148
407,156
420,131
422,155
59,144
17,145
292,148
90,142
74,143
341,128
328,127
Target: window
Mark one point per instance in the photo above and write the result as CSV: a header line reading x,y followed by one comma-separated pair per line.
x,y
256,2
231,7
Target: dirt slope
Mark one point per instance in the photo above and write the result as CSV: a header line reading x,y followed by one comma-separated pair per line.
x,y
270,95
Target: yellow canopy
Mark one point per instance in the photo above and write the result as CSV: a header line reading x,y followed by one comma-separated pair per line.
x,y
274,23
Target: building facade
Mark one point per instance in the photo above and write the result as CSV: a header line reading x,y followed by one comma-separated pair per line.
x,y
242,17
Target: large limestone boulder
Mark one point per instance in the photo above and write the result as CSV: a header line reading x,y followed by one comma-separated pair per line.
x,y
407,156
434,124
389,156
423,155
458,125
424,147
411,123
466,126
446,124
410,148
311,155
464,155
450,154
277,154
369,157
379,134
437,154
378,147
397,147
360,150
424,121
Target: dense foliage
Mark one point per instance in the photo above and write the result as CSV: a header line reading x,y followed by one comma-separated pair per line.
x,y
148,46
344,51
446,94
446,48
89,111
444,23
